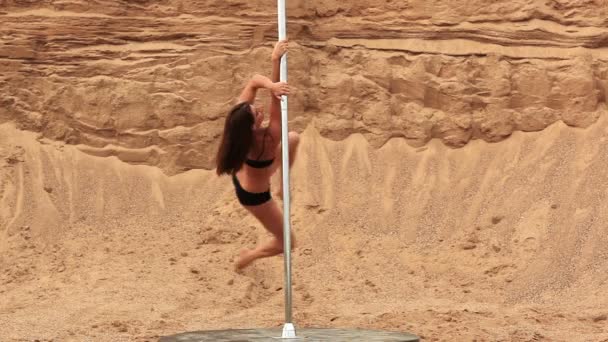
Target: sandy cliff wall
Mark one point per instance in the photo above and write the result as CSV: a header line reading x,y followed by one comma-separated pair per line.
x,y
150,81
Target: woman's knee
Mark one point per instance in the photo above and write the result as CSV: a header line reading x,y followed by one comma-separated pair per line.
x,y
294,138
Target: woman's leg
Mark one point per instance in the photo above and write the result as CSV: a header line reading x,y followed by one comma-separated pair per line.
x,y
294,141
271,217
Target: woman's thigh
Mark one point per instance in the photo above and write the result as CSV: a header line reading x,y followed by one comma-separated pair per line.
x,y
294,141
271,217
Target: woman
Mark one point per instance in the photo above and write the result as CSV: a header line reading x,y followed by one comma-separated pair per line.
x,y
251,154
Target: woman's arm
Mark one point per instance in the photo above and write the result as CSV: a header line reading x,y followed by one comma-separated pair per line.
x,y
275,103
255,83
279,50
258,81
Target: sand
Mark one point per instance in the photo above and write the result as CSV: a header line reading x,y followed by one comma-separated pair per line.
x,y
450,182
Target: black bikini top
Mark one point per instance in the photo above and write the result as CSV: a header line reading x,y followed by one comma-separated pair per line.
x,y
257,163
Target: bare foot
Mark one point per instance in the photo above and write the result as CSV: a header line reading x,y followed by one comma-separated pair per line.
x,y
245,258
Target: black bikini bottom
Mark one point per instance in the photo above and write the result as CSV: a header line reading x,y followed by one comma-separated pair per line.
x,y
249,198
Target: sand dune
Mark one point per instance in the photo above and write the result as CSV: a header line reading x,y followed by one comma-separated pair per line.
x,y
450,180
489,242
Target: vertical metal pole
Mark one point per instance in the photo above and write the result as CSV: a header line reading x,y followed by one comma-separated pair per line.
x,y
288,328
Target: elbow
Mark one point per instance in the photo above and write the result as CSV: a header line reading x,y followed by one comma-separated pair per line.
x,y
255,79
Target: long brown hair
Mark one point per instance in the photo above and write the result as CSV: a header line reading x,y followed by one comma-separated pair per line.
x,y
236,140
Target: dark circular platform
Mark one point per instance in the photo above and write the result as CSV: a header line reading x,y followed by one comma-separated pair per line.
x,y
256,335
